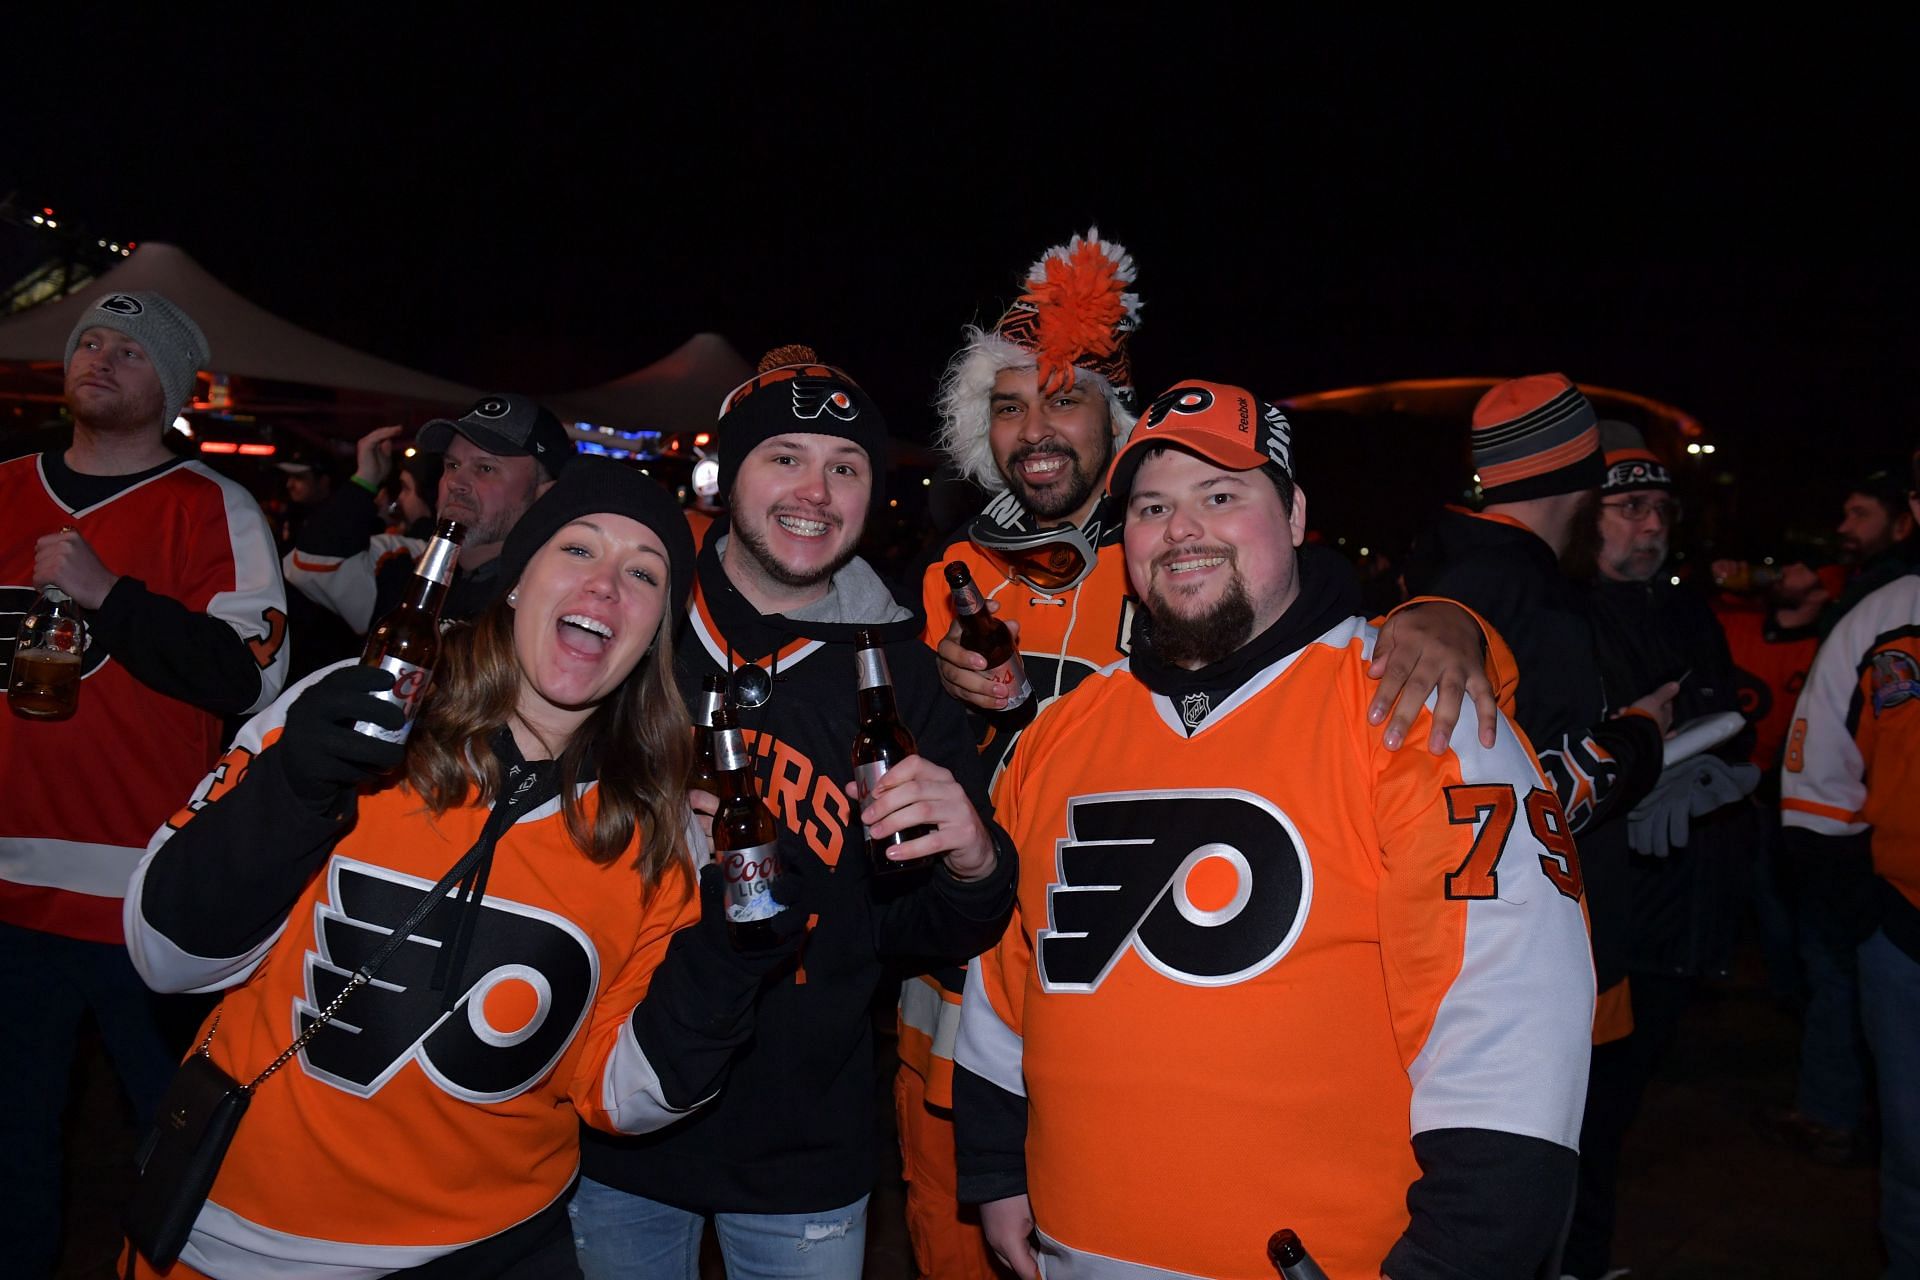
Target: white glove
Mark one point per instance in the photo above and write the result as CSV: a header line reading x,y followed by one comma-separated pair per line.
x,y
1661,822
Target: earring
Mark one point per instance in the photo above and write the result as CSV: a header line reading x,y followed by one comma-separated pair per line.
x,y
513,598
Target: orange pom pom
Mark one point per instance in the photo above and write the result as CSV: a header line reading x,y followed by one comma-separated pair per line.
x,y
792,353
1077,303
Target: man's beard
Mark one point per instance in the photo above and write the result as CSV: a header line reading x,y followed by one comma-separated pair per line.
x,y
124,414
1180,640
1061,501
755,545
1628,568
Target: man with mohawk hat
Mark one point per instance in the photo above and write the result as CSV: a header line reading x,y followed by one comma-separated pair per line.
x,y
783,1159
1033,410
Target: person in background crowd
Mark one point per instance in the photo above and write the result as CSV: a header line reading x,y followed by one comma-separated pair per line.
x,y
176,568
1033,410
498,457
1692,835
784,1159
1536,448
405,501
1264,978
1850,799
433,1126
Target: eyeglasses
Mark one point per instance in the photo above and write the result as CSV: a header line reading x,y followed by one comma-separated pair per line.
x,y
1637,508
1048,560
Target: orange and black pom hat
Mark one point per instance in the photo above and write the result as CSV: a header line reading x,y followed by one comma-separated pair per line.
x,y
1226,425
1535,437
793,392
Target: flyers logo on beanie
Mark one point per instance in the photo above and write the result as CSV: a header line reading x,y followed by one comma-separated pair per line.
x,y
1178,400
813,396
121,305
528,981
1210,888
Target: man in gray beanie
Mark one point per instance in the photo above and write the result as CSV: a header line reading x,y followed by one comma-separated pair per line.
x,y
175,567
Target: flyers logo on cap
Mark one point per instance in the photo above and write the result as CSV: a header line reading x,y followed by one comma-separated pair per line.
x,y
491,407
814,395
1179,400
121,305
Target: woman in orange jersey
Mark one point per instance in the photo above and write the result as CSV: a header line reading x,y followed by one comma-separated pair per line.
x,y
431,1127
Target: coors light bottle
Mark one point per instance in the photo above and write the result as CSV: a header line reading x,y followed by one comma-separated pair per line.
x,y
745,841
407,641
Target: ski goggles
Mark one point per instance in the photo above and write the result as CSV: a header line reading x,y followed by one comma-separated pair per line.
x,y
1048,560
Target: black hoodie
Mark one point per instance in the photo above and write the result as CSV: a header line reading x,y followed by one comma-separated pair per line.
x,y
794,1129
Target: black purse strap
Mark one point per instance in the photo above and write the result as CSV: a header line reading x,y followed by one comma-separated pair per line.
x,y
498,820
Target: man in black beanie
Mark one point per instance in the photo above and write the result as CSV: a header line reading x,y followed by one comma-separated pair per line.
x,y
784,1159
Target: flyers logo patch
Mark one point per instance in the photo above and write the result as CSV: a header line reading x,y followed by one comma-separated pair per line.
x,y
1179,400
1211,888
815,396
528,982
120,304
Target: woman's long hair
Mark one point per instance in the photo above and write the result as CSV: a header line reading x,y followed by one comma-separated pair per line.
x,y
636,744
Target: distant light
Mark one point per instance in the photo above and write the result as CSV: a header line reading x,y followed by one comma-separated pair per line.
x,y
1693,448
1766,559
1476,477
926,481
893,502
52,223
1675,580
46,211
38,220
114,247
645,472
184,427
1706,448
703,439
410,452
219,446
1343,542
103,244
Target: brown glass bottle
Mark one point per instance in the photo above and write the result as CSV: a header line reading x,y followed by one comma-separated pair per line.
x,y
407,641
1290,1258
879,743
987,636
745,840
704,775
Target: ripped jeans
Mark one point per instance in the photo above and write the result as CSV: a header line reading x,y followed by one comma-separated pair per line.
x,y
626,1237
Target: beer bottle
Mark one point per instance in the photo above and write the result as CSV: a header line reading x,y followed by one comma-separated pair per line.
x,y
1290,1258
745,840
407,641
45,682
704,774
879,743
987,636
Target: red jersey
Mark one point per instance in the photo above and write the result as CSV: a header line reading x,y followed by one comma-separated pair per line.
x,y
84,794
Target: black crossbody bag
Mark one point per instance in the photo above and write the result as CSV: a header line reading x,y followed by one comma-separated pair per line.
x,y
203,1106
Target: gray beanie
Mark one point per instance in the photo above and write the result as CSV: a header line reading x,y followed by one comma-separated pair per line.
x,y
173,341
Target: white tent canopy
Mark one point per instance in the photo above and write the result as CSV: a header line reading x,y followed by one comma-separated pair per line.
x,y
679,392
246,340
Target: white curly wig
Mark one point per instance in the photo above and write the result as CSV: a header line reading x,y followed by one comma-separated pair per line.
x,y
965,403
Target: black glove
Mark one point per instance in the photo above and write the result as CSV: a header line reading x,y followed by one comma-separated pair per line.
x,y
323,758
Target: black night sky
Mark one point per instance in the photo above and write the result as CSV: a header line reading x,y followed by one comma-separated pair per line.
x,y
1712,215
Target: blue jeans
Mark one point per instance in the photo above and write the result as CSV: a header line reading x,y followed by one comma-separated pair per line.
x,y
1833,1069
47,985
1890,1011
626,1237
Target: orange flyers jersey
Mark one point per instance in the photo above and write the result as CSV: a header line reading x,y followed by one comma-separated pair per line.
x,y
1853,755
402,1131
1064,638
1248,965
189,534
